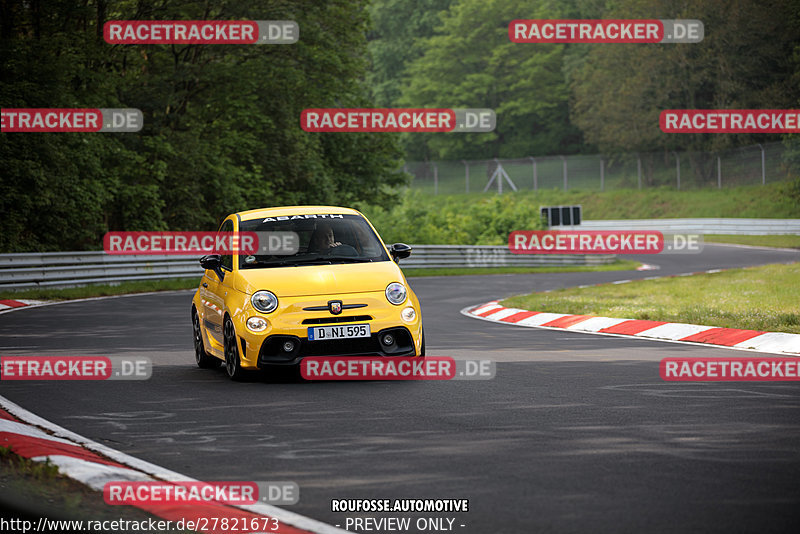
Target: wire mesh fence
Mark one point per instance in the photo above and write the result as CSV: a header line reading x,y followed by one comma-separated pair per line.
x,y
749,165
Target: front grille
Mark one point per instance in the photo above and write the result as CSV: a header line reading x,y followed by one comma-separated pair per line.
x,y
327,307
338,319
272,349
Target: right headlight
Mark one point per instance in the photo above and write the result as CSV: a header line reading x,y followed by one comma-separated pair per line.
x,y
264,301
396,293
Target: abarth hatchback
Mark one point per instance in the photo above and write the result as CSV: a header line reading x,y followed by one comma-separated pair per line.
x,y
335,290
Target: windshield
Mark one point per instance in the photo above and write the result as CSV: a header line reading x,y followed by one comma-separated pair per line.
x,y
323,238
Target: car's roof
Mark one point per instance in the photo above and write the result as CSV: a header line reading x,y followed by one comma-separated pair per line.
x,y
293,210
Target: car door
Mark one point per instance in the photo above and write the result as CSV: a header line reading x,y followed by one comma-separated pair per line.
x,y
216,290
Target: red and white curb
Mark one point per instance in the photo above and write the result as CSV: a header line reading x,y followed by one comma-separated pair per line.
x,y
94,464
734,338
8,304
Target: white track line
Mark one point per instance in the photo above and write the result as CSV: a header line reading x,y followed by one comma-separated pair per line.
x,y
284,516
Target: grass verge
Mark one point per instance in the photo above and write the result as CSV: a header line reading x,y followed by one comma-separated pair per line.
x,y
487,219
29,488
757,298
778,241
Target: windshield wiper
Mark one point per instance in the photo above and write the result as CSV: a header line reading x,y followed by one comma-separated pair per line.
x,y
314,260
264,264
285,263
332,259
351,260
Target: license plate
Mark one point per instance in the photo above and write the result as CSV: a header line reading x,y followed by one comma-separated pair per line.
x,y
320,333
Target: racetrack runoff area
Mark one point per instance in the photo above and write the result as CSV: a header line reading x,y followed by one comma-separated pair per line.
x,y
571,421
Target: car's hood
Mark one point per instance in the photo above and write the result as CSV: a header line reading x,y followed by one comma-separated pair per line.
x,y
320,279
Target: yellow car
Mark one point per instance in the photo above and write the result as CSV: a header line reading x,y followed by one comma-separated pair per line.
x,y
338,291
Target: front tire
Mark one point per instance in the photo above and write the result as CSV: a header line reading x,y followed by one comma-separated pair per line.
x,y
233,363
203,359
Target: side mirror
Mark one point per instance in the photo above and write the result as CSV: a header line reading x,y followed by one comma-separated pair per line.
x,y
399,251
212,262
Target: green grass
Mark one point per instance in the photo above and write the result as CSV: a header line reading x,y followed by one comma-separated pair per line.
x,y
38,488
779,241
38,470
486,219
619,265
758,298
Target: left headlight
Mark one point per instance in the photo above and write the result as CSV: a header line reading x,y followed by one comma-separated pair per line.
x,y
396,293
264,301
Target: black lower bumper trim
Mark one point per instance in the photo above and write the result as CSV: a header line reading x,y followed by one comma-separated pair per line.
x,y
273,351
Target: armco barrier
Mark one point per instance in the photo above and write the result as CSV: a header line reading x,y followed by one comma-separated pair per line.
x,y
62,269
701,226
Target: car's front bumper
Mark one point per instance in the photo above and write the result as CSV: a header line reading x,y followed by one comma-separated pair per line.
x,y
290,322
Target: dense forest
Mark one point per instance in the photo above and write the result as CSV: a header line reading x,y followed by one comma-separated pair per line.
x,y
222,128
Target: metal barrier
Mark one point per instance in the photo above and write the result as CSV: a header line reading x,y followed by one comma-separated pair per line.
x,y
435,256
64,269
701,226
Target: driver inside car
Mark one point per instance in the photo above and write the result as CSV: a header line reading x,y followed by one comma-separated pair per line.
x,y
323,241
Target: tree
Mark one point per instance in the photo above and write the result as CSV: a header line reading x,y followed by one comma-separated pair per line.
x,y
743,62
221,131
399,28
471,63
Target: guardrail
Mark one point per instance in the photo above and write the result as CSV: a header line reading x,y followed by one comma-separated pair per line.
x,y
700,226
64,269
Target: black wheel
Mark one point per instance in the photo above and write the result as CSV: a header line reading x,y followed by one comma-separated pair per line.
x,y
203,359
233,364
422,348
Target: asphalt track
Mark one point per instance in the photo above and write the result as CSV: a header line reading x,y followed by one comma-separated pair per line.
x,y
577,432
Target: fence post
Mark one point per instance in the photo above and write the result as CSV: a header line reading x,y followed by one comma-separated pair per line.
x,y
719,172
435,178
639,169
602,175
763,165
466,173
535,175
564,159
678,168
499,178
